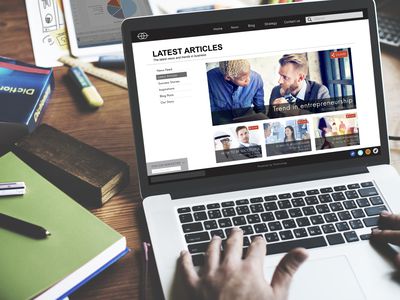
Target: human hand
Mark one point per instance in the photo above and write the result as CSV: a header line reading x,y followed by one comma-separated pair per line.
x,y
388,231
280,100
231,277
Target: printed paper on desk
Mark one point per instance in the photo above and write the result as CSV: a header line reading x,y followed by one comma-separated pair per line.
x,y
48,32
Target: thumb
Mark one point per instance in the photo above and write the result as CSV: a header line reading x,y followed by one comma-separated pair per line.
x,y
285,270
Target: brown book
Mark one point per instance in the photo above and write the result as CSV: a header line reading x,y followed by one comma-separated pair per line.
x,y
87,174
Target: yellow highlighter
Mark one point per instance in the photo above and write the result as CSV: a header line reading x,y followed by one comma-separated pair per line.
x,y
89,92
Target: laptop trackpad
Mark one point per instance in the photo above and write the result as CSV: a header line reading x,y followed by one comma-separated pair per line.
x,y
329,279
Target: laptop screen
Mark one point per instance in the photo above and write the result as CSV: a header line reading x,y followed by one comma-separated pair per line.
x,y
235,97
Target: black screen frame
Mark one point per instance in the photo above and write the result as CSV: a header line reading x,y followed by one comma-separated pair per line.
x,y
259,178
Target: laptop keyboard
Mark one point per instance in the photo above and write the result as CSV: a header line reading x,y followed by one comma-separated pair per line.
x,y
309,219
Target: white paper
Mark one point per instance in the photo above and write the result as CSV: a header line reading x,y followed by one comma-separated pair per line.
x,y
48,32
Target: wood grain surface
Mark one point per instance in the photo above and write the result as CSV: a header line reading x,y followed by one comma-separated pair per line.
x,y
110,130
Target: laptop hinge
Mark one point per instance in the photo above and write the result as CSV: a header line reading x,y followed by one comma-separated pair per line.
x,y
293,177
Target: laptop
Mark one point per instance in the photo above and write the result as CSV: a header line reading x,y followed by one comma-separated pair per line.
x,y
314,172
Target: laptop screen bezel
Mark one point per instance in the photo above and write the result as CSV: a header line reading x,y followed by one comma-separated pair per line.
x,y
259,178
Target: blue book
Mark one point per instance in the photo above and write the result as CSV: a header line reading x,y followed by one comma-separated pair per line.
x,y
25,90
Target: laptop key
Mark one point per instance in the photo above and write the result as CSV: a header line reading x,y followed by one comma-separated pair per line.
x,y
228,203
271,198
247,229
336,206
367,192
274,226
284,204
297,202
299,194
271,237
285,196
200,216
183,210
349,204
326,190
339,196
342,226
256,200
198,260
267,217
295,212
323,208
225,223
198,208
340,188
228,212
335,239
344,215
312,192
186,218
208,225
237,221
375,210
358,213
246,241
253,219
316,220
196,248
218,232
307,243
309,210
377,200
331,217
192,227
214,214
260,228
363,202
281,214
269,206
286,235
242,202
311,200
356,224
365,237
328,228
370,222
242,210
256,208
300,232
353,186
352,194
367,184
213,205
302,222
351,236
325,198
314,230
288,224
197,237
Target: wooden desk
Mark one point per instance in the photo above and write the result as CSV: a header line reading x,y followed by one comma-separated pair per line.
x,y
110,129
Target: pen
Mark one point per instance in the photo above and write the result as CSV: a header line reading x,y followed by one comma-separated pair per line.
x,y
12,188
23,227
111,61
89,92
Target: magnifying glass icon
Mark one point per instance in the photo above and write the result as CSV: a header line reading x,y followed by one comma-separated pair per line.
x,y
309,19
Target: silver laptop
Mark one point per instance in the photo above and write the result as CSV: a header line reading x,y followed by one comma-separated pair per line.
x,y
271,119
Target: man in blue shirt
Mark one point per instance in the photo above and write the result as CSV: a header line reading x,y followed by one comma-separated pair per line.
x,y
236,93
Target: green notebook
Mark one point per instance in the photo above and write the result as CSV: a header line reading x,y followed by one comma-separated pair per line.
x,y
79,245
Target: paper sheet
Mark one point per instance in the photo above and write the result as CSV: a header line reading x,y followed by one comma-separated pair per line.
x,y
48,32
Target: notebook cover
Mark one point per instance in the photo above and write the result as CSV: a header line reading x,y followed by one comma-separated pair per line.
x,y
29,266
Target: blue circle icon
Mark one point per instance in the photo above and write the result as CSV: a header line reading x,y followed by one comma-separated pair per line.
x,y
360,152
352,153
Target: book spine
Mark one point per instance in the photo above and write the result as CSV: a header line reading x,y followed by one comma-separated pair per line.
x,y
41,103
